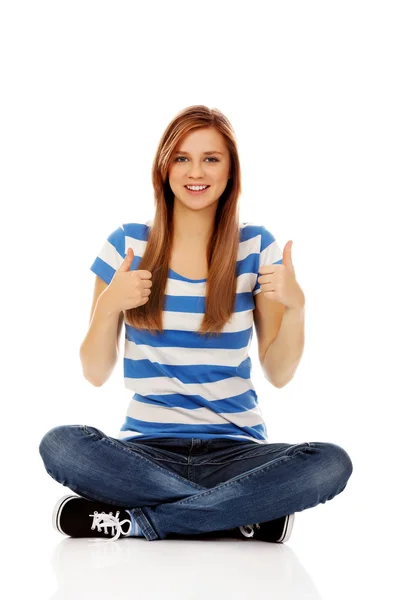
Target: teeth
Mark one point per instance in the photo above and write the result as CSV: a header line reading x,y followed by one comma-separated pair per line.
x,y
196,187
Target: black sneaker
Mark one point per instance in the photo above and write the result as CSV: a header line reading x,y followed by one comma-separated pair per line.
x,y
79,517
278,530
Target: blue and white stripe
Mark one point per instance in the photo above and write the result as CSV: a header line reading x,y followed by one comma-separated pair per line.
x,y
185,385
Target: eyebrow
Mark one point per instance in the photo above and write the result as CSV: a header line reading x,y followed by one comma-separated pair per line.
x,y
209,152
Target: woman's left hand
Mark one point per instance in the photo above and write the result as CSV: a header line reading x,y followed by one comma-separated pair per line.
x,y
278,282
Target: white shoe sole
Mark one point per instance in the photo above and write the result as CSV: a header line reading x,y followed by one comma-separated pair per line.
x,y
57,512
287,529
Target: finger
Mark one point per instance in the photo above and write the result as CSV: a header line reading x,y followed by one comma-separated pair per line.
x,y
126,263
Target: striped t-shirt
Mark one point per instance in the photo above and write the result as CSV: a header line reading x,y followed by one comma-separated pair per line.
x,y
184,384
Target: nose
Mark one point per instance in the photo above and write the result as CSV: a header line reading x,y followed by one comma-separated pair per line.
x,y
196,170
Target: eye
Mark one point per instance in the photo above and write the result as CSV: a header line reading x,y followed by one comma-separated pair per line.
x,y
208,157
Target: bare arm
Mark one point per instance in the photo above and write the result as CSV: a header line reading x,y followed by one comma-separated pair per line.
x,y
284,353
99,350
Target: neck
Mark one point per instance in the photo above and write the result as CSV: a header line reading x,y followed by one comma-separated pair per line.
x,y
192,225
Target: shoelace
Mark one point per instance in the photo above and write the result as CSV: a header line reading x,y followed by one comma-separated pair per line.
x,y
104,520
249,533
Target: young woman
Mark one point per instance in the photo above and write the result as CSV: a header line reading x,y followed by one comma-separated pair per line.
x,y
193,456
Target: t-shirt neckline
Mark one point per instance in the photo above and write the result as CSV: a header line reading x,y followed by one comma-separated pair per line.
x,y
187,278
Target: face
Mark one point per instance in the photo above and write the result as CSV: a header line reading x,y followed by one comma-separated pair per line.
x,y
201,158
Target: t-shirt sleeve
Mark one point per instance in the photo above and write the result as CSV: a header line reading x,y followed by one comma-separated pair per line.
x,y
110,256
270,254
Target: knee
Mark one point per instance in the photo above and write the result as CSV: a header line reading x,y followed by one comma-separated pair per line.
x,y
57,441
339,462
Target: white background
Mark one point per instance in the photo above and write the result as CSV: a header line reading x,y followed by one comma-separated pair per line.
x,y
312,91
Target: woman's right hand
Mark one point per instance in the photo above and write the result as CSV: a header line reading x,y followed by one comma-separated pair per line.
x,y
128,289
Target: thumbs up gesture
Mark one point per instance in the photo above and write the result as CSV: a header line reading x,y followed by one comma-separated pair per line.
x,y
128,289
278,282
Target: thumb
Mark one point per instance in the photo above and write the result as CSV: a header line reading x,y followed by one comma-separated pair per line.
x,y
126,263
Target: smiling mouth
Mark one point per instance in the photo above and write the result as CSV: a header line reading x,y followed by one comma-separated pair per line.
x,y
196,192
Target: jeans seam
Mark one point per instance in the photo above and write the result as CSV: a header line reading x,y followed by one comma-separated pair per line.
x,y
230,460
94,496
241,458
241,477
174,462
153,464
94,433
144,524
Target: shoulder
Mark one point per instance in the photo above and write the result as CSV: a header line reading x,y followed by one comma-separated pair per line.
x,y
138,231
257,234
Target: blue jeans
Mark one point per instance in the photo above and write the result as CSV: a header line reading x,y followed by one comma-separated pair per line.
x,y
194,486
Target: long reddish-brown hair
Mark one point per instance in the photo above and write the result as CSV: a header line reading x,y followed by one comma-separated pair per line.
x,y
223,244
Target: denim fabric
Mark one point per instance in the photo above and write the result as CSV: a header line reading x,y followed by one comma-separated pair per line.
x,y
193,486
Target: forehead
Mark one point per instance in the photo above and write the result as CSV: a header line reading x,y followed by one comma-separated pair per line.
x,y
202,140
